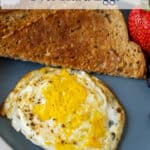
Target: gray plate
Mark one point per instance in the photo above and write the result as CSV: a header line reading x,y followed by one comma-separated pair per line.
x,y
133,94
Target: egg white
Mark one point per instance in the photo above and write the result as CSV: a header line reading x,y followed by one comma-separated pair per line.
x,y
19,110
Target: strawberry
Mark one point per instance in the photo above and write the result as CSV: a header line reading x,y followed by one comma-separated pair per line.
x,y
139,27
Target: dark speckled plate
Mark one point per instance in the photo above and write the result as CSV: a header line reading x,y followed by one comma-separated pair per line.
x,y
133,94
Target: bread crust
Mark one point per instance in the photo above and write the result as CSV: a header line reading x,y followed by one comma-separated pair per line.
x,y
90,40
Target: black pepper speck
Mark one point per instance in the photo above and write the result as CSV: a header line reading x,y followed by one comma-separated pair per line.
x,y
110,123
113,135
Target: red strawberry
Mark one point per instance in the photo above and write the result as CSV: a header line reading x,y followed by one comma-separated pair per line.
x,y
139,27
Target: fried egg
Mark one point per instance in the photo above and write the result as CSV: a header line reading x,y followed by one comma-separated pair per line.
x,y
64,109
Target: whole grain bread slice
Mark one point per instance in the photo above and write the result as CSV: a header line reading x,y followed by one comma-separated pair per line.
x,y
11,20
90,40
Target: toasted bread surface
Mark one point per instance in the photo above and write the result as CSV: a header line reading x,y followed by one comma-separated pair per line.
x,y
90,40
11,20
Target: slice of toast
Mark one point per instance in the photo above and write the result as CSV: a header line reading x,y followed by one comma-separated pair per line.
x,y
11,20
90,40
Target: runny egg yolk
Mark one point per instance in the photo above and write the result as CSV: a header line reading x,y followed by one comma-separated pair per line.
x,y
64,95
